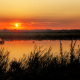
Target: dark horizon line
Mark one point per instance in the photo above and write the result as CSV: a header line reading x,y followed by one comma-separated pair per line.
x,y
42,30
37,29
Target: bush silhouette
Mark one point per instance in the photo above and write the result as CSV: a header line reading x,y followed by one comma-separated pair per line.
x,y
3,61
41,64
15,66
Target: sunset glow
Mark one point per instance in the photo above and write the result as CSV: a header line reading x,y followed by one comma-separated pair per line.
x,y
16,25
40,14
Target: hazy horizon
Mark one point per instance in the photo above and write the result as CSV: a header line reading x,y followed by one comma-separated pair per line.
x,y
36,29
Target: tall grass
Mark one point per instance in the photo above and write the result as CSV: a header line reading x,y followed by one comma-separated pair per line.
x,y
41,63
3,61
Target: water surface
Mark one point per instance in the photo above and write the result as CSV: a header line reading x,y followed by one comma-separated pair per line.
x,y
18,48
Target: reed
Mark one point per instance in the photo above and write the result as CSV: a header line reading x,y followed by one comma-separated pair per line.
x,y
3,62
41,63
61,52
72,57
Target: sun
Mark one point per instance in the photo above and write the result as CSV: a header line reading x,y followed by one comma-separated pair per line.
x,y
16,25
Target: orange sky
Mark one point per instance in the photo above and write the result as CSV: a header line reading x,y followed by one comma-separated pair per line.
x,y
40,14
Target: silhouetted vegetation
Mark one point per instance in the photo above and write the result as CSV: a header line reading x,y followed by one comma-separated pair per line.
x,y
41,64
3,62
40,35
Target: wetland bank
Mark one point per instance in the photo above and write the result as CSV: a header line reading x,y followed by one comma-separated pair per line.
x,y
41,35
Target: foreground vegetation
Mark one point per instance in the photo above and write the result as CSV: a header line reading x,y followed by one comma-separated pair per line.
x,y
39,35
41,65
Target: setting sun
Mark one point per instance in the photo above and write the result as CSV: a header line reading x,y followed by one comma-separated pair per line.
x,y
16,25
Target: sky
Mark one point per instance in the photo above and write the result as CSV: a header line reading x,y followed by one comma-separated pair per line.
x,y
39,14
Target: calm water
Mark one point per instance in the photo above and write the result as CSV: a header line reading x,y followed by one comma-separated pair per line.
x,y
18,48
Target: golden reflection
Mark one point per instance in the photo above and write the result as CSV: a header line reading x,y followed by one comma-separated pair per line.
x,y
18,48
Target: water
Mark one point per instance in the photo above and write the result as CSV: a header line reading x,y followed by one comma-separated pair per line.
x,y
18,48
